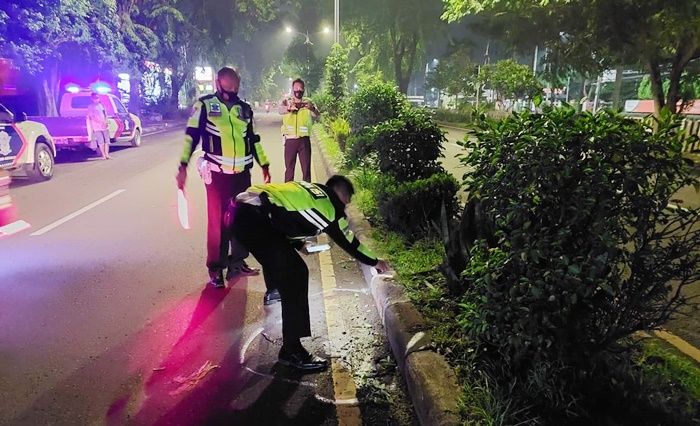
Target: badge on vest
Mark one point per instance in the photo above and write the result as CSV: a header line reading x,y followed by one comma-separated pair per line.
x,y
215,110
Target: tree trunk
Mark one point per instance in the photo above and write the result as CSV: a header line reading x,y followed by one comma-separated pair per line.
x,y
176,82
50,90
135,93
657,89
617,88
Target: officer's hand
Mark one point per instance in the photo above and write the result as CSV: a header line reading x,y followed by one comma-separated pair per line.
x,y
266,174
181,177
381,266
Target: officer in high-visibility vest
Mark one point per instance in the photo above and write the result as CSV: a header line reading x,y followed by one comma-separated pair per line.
x,y
298,115
224,125
272,221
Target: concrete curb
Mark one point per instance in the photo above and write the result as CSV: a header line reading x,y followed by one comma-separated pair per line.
x,y
431,382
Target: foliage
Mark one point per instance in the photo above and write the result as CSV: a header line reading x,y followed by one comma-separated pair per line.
x,y
301,61
392,34
511,80
461,116
374,104
455,74
592,36
340,129
408,147
413,208
329,144
578,248
690,87
336,75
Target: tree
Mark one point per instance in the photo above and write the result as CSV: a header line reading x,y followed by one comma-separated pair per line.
x,y
455,74
46,38
336,75
511,80
659,35
300,60
395,32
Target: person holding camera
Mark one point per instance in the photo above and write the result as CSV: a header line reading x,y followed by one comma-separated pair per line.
x,y
298,115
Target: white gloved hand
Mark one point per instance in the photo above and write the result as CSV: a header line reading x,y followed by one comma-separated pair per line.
x,y
204,169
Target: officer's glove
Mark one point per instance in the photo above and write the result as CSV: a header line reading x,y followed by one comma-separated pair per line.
x,y
204,169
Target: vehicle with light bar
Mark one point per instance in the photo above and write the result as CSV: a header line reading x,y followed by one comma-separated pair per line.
x,y
25,145
70,130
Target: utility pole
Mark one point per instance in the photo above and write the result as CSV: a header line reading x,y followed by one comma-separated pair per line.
x,y
336,21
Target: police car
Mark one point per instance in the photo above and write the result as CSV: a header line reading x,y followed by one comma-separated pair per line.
x,y
25,145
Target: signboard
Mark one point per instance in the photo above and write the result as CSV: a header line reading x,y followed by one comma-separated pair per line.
x,y
203,74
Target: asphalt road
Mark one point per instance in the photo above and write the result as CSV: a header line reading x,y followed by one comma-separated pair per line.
x,y
106,319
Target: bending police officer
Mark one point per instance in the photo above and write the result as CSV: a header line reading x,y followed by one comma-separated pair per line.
x,y
272,221
224,125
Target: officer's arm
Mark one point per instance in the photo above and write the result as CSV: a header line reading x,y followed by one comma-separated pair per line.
x,y
282,107
193,133
340,232
258,151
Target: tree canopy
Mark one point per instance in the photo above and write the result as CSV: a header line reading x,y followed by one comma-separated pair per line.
x,y
661,36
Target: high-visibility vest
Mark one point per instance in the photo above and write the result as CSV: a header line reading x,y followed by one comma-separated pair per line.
x,y
297,124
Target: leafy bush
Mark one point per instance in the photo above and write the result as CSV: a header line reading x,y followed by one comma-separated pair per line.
x,y
453,116
324,102
335,79
359,149
374,104
409,146
340,129
412,208
583,250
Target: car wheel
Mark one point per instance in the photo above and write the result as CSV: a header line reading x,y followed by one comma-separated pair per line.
x,y
136,141
43,163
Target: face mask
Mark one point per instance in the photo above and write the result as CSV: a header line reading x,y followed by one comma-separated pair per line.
x,y
298,94
231,95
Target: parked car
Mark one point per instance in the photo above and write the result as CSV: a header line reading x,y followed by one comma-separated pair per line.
x,y
25,145
70,129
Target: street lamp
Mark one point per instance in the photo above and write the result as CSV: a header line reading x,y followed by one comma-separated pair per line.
x,y
290,30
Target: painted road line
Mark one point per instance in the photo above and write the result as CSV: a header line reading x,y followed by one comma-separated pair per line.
x,y
75,214
345,392
679,343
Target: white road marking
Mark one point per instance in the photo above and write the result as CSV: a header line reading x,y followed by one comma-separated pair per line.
x,y
75,214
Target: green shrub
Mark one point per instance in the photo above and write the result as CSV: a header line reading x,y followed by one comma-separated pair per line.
x,y
413,208
409,146
584,248
360,149
374,104
340,129
453,116
325,104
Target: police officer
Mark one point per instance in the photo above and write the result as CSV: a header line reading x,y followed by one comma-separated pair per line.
x,y
272,221
298,115
224,125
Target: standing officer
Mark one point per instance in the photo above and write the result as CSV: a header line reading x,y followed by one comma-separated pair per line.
x,y
272,221
298,115
224,124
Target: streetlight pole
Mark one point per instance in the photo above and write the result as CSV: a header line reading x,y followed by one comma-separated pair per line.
x,y
336,21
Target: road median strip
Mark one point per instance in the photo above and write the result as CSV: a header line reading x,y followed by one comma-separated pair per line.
x,y
431,382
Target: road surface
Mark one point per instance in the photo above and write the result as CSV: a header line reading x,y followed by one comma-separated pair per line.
x,y
106,318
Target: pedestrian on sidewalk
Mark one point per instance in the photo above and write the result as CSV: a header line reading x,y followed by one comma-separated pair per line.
x,y
298,116
271,221
224,124
97,125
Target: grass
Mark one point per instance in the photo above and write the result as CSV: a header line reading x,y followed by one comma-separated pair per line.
x,y
662,359
329,144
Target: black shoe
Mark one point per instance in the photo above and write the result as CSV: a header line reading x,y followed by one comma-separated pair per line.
x,y
301,359
241,270
217,281
272,296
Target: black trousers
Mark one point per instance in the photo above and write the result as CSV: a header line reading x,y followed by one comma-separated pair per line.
x,y
302,148
222,188
282,266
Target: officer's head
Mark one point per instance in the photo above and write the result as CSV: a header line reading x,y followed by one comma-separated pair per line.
x,y
342,186
227,83
95,97
298,88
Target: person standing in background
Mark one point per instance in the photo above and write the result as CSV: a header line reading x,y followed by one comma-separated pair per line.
x,y
298,115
